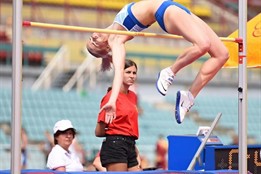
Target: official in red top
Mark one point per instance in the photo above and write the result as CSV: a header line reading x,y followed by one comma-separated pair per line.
x,y
118,151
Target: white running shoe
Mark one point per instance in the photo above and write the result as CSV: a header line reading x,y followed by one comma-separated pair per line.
x,y
184,102
165,79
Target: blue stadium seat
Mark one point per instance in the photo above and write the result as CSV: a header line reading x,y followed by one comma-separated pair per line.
x,y
41,109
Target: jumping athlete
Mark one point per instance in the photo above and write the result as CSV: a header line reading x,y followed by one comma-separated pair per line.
x,y
174,19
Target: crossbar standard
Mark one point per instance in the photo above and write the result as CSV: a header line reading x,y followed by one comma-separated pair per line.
x,y
120,32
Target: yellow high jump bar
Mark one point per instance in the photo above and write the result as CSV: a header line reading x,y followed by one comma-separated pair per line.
x,y
121,32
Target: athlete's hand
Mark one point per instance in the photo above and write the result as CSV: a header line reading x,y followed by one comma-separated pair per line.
x,y
110,112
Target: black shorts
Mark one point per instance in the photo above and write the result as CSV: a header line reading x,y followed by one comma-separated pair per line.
x,y
118,149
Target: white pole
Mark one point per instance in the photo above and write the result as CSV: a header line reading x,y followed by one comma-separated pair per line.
x,y
203,143
242,88
16,86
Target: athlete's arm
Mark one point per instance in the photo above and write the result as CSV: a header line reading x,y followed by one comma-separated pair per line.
x,y
117,45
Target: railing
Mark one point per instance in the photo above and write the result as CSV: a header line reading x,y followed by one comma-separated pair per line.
x,y
198,9
105,4
149,65
32,55
56,65
86,70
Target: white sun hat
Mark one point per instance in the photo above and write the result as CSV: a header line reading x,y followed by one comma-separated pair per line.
x,y
62,125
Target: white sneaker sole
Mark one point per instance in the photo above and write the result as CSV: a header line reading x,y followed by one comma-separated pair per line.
x,y
177,110
159,84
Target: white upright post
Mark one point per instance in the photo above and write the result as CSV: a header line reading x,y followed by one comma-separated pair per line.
x,y
242,88
16,86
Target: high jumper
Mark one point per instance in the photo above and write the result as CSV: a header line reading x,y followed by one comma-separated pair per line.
x,y
174,19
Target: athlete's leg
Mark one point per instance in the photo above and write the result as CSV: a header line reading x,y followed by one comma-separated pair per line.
x,y
218,57
203,39
178,22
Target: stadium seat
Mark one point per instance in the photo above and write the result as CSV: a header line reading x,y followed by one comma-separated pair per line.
x,y
41,109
